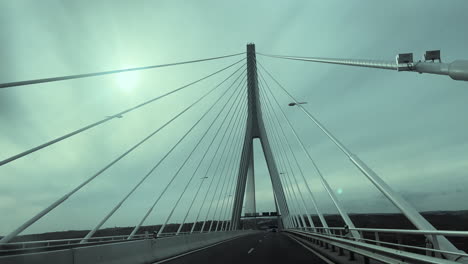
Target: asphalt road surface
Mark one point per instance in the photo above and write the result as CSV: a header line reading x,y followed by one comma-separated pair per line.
x,y
265,247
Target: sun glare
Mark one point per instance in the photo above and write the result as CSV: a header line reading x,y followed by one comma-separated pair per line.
x,y
339,191
127,80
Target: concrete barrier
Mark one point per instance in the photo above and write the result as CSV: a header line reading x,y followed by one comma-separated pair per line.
x,y
59,256
139,251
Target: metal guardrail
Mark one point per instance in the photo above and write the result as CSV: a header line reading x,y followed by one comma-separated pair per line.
x,y
46,244
125,251
400,231
57,242
49,244
173,234
364,251
429,249
70,240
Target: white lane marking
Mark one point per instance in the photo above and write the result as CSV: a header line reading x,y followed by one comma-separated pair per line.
x,y
250,251
311,250
196,250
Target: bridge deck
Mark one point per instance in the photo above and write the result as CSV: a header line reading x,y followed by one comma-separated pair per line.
x,y
259,248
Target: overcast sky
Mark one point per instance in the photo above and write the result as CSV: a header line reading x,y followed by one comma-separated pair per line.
x,y
411,129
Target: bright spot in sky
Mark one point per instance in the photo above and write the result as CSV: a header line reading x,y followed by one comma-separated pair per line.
x,y
127,80
339,191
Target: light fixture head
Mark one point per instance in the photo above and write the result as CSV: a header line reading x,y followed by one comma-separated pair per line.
x,y
432,55
404,58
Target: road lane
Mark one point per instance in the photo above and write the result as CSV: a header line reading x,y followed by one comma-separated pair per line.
x,y
259,248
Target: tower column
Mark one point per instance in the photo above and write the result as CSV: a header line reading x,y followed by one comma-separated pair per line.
x,y
250,207
255,129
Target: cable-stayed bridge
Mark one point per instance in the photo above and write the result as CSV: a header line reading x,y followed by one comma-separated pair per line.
x,y
245,107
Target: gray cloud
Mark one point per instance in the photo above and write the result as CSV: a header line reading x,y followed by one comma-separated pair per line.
x,y
411,129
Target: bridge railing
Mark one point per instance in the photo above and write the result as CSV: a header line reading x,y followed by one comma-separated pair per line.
x,y
146,250
53,243
43,244
382,238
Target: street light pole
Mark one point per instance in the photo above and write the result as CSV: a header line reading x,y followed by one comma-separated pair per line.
x,y
457,70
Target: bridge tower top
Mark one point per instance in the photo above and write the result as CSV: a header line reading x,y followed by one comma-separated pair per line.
x,y
255,128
